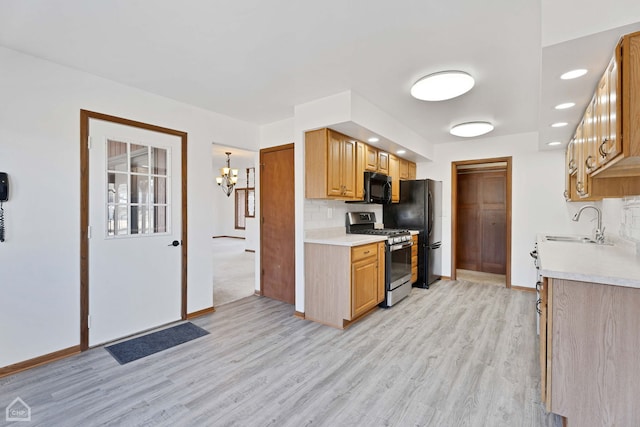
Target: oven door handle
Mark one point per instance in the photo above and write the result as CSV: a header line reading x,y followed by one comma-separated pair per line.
x,y
400,246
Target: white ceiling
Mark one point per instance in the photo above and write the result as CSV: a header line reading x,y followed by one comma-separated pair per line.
x,y
255,60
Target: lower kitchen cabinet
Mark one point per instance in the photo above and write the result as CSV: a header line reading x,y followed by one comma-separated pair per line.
x,y
342,283
589,352
414,259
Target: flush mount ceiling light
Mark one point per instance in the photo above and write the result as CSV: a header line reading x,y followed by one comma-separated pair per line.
x,y
554,143
559,124
565,105
401,151
573,74
442,85
373,139
471,129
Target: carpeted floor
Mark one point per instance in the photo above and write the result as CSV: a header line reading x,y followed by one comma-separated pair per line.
x,y
233,271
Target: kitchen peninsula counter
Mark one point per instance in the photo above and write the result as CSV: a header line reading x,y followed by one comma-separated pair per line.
x,y
617,264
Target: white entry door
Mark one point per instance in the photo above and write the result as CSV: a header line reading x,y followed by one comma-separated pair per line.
x,y
134,220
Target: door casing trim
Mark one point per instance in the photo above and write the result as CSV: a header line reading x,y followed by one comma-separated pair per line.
x,y
454,211
85,117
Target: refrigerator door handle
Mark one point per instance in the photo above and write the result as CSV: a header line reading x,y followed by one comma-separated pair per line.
x,y
430,209
436,245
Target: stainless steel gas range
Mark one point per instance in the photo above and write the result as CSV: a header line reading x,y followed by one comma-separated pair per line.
x,y
397,271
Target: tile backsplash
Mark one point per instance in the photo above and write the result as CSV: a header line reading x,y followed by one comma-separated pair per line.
x,y
332,213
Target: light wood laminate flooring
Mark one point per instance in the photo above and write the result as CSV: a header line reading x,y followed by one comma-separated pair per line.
x,y
457,354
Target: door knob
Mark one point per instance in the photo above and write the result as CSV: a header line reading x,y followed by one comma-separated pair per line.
x,y
174,243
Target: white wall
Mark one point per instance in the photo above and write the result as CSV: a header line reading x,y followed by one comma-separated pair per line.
x,y
39,148
538,205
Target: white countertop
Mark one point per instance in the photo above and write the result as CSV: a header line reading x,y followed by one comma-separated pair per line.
x,y
616,264
338,237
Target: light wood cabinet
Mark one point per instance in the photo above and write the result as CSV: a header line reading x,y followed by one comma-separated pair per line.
x,y
343,283
589,344
607,140
404,169
414,259
335,166
330,165
394,173
383,162
371,159
412,170
364,279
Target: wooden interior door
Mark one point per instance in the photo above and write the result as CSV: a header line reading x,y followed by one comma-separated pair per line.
x,y
277,224
482,221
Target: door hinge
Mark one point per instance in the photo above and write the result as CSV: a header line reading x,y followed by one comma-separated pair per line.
x,y
89,142
89,322
88,232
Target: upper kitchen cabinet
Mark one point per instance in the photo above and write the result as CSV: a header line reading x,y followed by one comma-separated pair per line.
x,y
383,162
330,165
412,170
371,158
404,169
603,159
394,173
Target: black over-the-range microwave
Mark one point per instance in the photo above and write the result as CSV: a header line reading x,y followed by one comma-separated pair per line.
x,y
377,188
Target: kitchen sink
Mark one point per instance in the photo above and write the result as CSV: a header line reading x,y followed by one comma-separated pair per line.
x,y
574,239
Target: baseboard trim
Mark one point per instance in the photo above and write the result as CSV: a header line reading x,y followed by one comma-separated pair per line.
x,y
299,314
257,293
37,361
200,312
445,278
523,288
250,250
228,237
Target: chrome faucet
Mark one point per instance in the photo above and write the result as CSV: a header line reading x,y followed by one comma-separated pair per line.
x,y
599,233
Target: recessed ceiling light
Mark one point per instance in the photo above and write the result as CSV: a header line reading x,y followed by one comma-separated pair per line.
x,y
471,129
573,74
442,85
401,151
553,143
565,105
373,139
559,124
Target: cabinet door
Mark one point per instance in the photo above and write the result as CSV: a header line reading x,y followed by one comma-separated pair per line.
x,y
349,168
602,119
570,169
335,147
361,159
394,172
612,147
383,162
582,179
371,160
414,259
412,170
589,137
364,285
381,271
404,169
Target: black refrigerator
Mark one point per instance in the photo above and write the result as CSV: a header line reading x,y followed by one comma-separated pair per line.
x,y
420,209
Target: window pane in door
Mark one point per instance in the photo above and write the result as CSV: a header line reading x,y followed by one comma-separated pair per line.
x,y
139,158
117,159
158,190
159,219
158,161
117,220
117,184
140,223
139,189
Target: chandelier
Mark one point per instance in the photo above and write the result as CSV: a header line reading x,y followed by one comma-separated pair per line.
x,y
228,177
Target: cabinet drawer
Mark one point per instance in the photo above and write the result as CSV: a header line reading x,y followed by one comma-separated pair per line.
x,y
364,251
